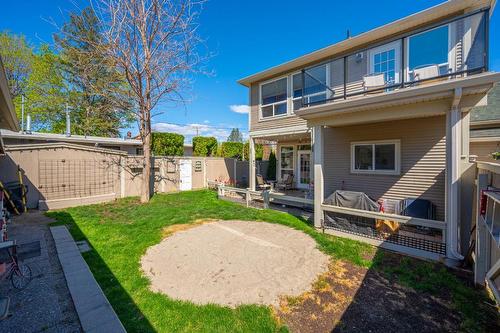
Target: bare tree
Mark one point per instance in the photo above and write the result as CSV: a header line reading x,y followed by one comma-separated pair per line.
x,y
154,44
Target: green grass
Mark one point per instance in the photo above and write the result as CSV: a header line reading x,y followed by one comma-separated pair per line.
x,y
120,232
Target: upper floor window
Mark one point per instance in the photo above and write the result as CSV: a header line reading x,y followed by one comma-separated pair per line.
x,y
428,53
274,98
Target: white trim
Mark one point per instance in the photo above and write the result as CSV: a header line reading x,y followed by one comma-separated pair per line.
x,y
397,162
280,131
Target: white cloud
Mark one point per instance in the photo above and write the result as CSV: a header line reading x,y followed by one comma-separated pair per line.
x,y
191,130
243,109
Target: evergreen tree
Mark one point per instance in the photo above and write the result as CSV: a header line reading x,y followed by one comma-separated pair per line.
x,y
235,136
99,96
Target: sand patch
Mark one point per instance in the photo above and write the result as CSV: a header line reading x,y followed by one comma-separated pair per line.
x,y
234,262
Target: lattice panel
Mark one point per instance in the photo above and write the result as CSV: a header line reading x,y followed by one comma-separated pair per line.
x,y
75,178
422,238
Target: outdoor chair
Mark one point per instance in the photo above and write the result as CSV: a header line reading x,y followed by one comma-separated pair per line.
x,y
286,183
426,73
261,184
373,81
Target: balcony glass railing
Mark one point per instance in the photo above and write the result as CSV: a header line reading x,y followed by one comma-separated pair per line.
x,y
450,49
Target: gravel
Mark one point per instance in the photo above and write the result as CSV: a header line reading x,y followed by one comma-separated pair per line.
x,y
45,305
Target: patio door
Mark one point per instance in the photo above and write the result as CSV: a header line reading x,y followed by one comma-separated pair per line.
x,y
304,168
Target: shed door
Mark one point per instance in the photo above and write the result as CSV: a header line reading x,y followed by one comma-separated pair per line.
x,y
185,175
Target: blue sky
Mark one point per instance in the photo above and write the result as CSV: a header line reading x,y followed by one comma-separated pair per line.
x,y
246,37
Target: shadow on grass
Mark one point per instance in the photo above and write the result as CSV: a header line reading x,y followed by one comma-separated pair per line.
x,y
130,315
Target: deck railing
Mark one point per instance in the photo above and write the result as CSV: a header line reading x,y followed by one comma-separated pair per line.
x,y
408,60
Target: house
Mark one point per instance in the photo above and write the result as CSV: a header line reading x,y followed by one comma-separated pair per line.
x,y
8,118
485,128
131,146
386,113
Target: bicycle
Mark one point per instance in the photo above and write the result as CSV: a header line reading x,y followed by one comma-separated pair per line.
x,y
19,274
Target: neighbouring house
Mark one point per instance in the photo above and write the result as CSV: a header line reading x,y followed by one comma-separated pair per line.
x,y
485,128
8,118
386,113
130,146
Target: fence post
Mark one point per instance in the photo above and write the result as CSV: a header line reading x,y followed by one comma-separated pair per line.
x,y
248,197
482,235
265,197
122,176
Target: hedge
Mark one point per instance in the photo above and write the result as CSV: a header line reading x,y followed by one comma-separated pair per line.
x,y
167,144
204,146
259,151
231,150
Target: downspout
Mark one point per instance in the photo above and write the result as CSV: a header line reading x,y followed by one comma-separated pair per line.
x,y
454,137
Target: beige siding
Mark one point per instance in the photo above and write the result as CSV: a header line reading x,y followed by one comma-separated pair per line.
x,y
258,125
422,160
483,150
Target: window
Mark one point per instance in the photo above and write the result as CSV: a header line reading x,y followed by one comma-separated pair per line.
x,y
375,157
286,161
385,60
274,98
316,83
429,48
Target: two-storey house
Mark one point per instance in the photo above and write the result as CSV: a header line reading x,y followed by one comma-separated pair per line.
x,y
385,112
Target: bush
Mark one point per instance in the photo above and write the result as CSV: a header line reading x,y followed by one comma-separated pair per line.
x,y
204,146
259,151
231,150
271,168
167,144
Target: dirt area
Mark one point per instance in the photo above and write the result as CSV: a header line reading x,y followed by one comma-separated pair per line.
x,y
350,298
234,262
45,305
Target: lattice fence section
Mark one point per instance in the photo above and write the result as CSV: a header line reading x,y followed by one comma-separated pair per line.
x,y
75,178
422,238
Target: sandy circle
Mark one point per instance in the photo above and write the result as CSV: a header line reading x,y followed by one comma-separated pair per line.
x,y
234,262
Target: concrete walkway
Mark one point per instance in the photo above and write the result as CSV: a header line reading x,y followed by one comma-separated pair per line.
x,y
93,308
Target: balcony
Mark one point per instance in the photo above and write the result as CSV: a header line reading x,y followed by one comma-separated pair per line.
x,y
451,49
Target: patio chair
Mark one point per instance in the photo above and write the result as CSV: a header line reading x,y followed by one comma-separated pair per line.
x,y
425,73
286,183
261,184
373,81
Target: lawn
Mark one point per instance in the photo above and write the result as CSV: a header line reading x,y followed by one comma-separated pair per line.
x,y
120,232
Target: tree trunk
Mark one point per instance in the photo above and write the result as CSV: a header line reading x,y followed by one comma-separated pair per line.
x,y
146,171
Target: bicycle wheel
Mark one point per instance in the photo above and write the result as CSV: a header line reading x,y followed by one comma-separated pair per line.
x,y
21,276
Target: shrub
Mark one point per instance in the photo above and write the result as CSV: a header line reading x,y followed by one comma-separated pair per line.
x,y
231,150
271,168
167,144
204,146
